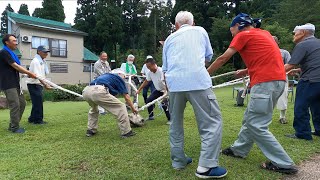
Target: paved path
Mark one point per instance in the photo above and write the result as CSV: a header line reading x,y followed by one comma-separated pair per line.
x,y
308,170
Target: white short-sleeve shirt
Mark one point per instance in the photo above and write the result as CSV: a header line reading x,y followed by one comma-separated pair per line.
x,y
157,78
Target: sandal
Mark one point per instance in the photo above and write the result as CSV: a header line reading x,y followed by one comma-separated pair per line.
x,y
269,166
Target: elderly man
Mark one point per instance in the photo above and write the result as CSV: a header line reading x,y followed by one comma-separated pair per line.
x,y
130,69
184,54
101,67
155,76
282,103
102,92
38,66
264,64
10,67
306,54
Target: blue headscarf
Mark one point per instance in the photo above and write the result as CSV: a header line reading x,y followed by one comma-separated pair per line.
x,y
12,54
245,20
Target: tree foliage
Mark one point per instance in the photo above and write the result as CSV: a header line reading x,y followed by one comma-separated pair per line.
x,y
4,19
24,10
51,9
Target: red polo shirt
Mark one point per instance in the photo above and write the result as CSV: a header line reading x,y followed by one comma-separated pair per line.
x,y
261,55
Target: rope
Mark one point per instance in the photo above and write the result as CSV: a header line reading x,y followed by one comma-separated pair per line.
x,y
224,74
58,87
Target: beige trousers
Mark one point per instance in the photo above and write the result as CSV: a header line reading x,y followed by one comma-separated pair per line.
x,y
98,95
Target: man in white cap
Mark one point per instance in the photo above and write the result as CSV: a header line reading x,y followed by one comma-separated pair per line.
x,y
102,92
130,69
306,53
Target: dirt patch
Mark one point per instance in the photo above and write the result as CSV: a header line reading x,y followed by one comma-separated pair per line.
x,y
308,170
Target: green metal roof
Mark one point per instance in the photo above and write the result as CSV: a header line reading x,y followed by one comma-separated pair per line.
x,y
88,55
17,52
43,23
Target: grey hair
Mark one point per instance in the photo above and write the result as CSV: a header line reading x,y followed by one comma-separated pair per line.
x,y
310,32
130,56
184,17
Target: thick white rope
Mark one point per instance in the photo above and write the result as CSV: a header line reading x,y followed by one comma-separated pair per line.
x,y
153,102
224,74
58,87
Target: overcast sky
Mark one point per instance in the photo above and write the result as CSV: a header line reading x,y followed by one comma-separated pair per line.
x,y
70,7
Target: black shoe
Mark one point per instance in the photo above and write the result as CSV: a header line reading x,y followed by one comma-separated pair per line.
x,y
283,121
315,133
19,131
41,122
90,133
229,152
129,134
293,136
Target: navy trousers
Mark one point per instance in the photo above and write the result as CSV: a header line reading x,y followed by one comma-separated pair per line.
x,y
36,96
154,95
307,97
146,89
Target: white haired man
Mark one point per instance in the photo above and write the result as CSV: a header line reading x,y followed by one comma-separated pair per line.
x,y
130,69
102,92
306,53
184,54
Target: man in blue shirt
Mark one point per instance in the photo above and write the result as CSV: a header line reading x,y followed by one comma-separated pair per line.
x,y
102,92
184,55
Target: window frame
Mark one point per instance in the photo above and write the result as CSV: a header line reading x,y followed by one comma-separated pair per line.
x,y
50,46
40,41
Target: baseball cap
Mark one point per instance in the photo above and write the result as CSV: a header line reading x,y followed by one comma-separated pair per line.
x,y
43,49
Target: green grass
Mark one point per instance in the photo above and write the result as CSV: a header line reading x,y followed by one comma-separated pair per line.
x,y
60,150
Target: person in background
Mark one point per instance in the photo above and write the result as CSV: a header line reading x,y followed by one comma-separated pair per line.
x,y
38,66
130,69
282,103
101,67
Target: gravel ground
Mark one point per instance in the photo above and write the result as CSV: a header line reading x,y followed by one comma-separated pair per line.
x,y
308,170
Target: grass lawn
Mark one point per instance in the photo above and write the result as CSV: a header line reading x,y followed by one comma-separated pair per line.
x,y
60,149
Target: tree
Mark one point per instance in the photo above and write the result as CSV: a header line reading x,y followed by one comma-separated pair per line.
x,y
298,12
109,27
24,10
51,9
85,21
4,20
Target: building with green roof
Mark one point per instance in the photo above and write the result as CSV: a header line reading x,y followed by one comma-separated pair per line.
x,y
69,61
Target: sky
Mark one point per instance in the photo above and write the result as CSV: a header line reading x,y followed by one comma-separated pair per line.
x,y
70,7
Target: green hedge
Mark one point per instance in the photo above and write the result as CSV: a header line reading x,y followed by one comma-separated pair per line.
x,y
58,95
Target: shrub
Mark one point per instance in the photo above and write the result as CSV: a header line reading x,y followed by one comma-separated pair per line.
x,y
59,95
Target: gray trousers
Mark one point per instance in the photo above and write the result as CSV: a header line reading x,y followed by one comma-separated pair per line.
x,y
209,121
17,104
257,117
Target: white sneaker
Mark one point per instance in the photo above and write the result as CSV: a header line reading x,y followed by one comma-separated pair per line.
x,y
169,123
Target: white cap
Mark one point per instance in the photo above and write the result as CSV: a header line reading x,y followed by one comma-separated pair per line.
x,y
118,71
149,57
307,26
130,56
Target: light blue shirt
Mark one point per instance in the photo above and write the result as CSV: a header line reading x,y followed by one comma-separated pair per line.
x,y
184,55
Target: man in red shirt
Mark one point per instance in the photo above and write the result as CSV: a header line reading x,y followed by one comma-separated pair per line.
x,y
264,64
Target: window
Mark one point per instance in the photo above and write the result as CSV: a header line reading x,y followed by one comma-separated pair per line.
x,y
86,68
39,41
58,68
58,48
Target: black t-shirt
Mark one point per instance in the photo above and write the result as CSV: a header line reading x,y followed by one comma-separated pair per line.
x,y
9,77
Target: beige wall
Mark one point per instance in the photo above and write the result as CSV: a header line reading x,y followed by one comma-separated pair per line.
x,y
74,54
